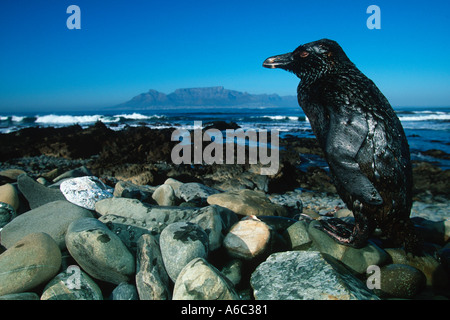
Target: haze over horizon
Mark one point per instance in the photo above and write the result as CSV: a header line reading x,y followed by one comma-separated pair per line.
x,y
125,48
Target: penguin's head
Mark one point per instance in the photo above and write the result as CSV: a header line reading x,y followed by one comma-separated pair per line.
x,y
314,58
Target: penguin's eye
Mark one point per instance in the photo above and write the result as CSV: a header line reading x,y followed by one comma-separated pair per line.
x,y
304,54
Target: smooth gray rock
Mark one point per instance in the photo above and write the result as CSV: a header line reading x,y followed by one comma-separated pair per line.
x,y
72,284
37,194
216,221
52,218
297,236
199,280
306,275
20,296
164,195
195,192
181,242
152,281
99,251
155,216
129,230
124,291
31,262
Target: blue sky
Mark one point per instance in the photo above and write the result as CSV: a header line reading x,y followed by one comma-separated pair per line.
x,y
126,47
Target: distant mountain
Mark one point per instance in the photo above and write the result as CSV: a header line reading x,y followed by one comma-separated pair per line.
x,y
209,97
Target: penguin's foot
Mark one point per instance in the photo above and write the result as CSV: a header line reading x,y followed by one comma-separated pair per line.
x,y
343,232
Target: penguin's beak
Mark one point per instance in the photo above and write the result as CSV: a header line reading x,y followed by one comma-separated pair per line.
x,y
282,61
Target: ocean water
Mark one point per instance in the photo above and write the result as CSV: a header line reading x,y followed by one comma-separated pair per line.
x,y
426,128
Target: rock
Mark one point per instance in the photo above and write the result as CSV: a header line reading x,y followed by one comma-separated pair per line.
x,y
126,189
75,173
247,239
343,213
124,291
8,195
306,275
99,251
181,242
199,280
129,230
247,203
175,184
156,217
216,222
233,271
72,284
297,236
7,213
400,281
37,194
291,200
195,192
20,296
52,218
432,269
11,174
356,259
152,281
164,195
85,191
140,179
32,261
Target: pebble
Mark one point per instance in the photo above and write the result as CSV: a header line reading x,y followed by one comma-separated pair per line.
x,y
164,195
431,268
357,260
247,239
72,284
152,280
9,195
157,217
216,222
233,271
127,189
175,184
9,203
20,296
99,251
247,203
85,191
129,230
32,261
11,174
195,192
75,173
297,236
52,218
199,280
180,242
36,193
400,281
124,291
306,275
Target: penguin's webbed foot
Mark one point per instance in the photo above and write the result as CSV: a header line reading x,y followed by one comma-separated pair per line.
x,y
343,232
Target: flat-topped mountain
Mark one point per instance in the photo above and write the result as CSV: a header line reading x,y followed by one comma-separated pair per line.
x,y
208,97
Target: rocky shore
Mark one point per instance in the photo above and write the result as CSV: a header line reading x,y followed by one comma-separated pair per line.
x,y
101,214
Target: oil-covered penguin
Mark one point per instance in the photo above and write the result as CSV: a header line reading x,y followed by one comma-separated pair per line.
x,y
363,141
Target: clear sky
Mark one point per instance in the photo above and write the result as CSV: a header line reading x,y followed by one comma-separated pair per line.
x,y
126,47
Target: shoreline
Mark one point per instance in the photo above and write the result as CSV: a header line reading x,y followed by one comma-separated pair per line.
x,y
143,156
123,185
